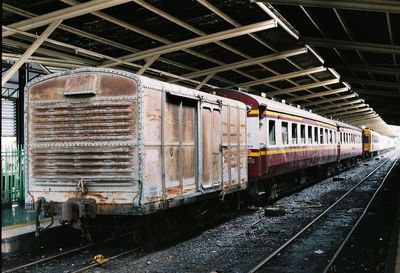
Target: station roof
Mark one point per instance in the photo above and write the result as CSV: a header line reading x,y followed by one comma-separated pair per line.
x,y
289,52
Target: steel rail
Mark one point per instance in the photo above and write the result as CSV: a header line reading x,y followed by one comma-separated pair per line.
x,y
289,241
109,259
61,254
333,259
49,258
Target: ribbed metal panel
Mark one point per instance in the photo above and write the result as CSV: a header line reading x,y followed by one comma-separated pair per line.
x,y
72,140
8,118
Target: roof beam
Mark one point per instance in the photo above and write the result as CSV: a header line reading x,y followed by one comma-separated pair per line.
x,y
343,109
313,103
282,23
351,45
49,52
249,62
153,36
336,105
366,68
39,41
86,62
365,5
303,87
42,60
185,25
319,94
93,37
363,118
369,82
226,34
351,112
62,14
283,76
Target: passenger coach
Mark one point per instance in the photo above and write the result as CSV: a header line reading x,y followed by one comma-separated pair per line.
x,y
283,139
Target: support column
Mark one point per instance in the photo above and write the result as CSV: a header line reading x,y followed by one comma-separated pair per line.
x,y
22,80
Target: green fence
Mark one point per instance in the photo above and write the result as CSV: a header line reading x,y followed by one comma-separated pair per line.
x,y
12,175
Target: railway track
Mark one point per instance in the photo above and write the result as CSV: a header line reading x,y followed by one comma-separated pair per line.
x,y
113,254
73,251
81,259
291,241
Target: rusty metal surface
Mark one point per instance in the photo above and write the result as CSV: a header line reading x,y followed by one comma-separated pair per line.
x,y
82,129
132,144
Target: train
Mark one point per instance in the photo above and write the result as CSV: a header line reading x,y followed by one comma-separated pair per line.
x,y
106,142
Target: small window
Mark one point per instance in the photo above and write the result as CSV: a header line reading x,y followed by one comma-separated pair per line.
x,y
285,131
341,137
347,138
316,135
330,137
294,133
272,138
326,136
321,136
302,133
309,136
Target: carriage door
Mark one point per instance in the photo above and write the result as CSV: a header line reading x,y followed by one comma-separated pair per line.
x,y
210,154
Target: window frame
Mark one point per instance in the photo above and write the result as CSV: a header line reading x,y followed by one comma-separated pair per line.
x,y
273,122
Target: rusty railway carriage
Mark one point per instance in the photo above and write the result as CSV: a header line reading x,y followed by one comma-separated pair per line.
x,y
108,142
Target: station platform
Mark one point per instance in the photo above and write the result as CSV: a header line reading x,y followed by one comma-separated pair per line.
x,y
15,215
18,228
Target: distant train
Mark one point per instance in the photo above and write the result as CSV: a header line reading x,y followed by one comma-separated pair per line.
x,y
375,143
109,142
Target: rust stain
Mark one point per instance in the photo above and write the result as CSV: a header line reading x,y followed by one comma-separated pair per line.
x,y
81,82
174,191
96,196
114,85
51,89
115,199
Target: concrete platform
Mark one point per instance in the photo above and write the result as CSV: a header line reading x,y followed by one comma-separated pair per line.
x,y
18,229
15,215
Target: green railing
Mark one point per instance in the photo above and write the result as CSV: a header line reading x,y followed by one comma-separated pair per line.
x,y
12,175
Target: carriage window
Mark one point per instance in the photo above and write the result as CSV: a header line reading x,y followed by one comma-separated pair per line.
x,y
331,136
316,135
303,133
285,135
326,136
341,137
272,138
294,133
309,131
321,136
347,138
